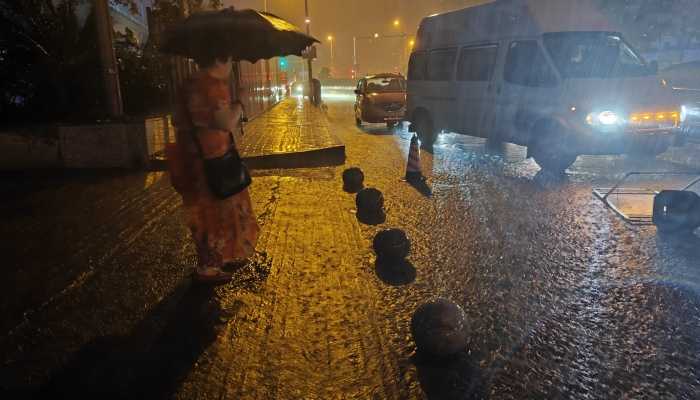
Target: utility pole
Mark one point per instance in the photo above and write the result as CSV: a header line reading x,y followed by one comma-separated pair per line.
x,y
354,57
332,39
310,66
110,72
268,79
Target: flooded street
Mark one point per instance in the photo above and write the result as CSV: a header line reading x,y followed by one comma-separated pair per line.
x,y
564,299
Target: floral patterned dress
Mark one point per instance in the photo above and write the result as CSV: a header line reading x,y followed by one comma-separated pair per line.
x,y
224,230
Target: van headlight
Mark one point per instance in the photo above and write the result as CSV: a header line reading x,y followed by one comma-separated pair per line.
x,y
606,119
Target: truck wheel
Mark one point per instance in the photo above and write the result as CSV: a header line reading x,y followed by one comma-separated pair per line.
x,y
426,131
549,148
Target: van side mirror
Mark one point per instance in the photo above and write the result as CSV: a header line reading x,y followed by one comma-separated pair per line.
x,y
654,67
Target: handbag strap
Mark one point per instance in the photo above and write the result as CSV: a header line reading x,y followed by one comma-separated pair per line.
x,y
198,144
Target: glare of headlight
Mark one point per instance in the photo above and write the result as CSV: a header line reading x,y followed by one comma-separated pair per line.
x,y
684,113
608,118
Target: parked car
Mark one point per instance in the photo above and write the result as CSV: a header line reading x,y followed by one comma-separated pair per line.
x,y
547,74
685,80
381,99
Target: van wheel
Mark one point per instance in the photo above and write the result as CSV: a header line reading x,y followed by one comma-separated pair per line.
x,y
425,129
549,148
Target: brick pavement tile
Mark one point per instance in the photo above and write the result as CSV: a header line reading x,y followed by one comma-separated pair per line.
x,y
315,318
293,126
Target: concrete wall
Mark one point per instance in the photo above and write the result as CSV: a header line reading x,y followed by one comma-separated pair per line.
x,y
85,146
18,151
103,146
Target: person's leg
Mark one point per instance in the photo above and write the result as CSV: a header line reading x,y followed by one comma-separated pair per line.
x,y
209,261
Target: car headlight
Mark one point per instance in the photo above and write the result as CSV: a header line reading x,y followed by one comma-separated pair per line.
x,y
684,113
604,119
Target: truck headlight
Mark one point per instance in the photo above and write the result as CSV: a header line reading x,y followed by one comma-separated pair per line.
x,y
603,118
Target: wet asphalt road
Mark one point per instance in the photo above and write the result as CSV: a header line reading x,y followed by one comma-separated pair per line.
x,y
563,299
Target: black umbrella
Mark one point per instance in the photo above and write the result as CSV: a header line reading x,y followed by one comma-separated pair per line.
x,y
242,34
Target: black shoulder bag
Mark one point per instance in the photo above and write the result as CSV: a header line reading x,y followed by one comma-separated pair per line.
x,y
226,175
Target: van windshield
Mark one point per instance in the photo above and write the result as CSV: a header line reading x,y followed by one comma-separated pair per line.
x,y
593,55
386,85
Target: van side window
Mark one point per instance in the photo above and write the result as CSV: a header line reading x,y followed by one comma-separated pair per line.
x,y
416,67
441,64
476,64
526,65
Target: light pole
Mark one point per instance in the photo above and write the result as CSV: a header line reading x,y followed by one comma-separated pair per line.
x,y
307,20
354,56
330,39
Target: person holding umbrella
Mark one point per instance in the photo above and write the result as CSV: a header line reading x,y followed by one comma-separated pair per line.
x,y
204,163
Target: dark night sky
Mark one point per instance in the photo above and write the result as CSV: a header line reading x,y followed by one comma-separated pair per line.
x,y
347,18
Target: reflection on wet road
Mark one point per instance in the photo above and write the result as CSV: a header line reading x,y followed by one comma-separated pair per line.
x,y
564,299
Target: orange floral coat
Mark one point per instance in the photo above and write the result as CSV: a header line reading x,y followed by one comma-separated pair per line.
x,y
224,230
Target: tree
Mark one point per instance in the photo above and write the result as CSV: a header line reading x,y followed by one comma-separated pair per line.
x,y
49,65
44,50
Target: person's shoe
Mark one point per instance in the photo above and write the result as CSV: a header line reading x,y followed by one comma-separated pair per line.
x,y
211,275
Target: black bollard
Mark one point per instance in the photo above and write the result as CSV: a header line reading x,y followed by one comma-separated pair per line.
x,y
370,206
391,245
353,180
439,329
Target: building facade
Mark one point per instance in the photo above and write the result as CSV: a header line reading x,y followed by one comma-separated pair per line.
x,y
135,20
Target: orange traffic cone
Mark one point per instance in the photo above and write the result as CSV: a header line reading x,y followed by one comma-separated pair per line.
x,y
413,172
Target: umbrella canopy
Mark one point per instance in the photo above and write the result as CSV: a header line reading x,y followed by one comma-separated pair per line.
x,y
242,34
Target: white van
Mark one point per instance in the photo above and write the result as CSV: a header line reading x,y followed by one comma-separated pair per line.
x,y
552,75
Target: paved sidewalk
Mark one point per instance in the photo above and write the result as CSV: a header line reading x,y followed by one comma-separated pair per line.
x,y
292,134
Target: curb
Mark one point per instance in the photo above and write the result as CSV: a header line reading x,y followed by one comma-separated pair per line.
x,y
329,156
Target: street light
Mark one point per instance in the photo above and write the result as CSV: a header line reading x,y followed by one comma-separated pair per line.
x,y
330,39
307,20
397,23
374,36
